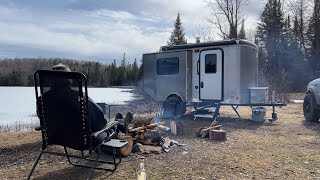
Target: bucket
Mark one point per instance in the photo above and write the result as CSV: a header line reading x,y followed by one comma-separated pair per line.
x,y
258,114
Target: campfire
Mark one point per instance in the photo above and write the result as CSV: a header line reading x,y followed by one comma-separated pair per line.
x,y
145,135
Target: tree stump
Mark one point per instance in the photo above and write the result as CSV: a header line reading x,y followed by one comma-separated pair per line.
x,y
219,135
204,131
176,128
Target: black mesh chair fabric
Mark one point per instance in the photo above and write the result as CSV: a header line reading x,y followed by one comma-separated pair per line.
x,y
62,108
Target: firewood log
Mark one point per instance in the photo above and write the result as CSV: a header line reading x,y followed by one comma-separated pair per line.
x,y
204,131
166,143
150,137
219,135
176,128
142,122
147,126
152,148
126,150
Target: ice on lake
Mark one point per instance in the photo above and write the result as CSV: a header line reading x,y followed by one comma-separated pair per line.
x,y
18,104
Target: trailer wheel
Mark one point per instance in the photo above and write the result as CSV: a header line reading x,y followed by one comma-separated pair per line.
x,y
309,109
174,106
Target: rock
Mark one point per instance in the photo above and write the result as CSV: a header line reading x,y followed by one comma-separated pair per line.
x,y
137,148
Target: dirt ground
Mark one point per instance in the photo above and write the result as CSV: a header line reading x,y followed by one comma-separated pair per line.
x,y
285,149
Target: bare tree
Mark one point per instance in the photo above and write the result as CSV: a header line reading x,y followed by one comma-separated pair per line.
x,y
204,32
226,15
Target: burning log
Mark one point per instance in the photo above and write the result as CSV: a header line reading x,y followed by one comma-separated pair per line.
x,y
149,137
219,135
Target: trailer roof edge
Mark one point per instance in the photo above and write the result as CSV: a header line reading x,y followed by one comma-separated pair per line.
x,y
207,44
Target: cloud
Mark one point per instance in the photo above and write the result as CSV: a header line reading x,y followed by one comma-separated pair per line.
x,y
102,33
95,30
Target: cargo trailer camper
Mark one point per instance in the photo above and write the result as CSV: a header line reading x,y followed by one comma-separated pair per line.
x,y
216,73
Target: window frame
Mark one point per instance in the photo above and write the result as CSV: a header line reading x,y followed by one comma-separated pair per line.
x,y
205,64
158,66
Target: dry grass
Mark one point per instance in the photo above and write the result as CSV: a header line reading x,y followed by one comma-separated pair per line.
x,y
18,126
285,149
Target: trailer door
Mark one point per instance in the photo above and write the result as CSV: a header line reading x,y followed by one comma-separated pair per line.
x,y
211,75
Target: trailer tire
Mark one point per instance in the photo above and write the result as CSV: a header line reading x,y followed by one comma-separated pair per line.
x,y
176,103
309,109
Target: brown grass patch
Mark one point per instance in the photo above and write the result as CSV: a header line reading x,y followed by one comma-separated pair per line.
x,y
285,149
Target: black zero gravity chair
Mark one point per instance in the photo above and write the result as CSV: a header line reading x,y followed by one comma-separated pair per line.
x,y
64,120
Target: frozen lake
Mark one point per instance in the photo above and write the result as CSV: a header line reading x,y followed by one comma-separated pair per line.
x,y
18,104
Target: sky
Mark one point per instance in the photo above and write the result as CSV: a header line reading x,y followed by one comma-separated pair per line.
x,y
99,30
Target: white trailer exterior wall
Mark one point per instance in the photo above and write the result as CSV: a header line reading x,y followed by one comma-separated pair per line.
x,y
240,71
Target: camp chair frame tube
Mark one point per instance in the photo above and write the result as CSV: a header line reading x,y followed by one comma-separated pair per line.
x,y
34,165
84,157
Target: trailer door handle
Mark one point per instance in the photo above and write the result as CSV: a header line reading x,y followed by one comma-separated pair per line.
x,y
201,85
198,66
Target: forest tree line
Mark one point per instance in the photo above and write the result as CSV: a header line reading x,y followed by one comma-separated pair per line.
x,y
19,71
289,44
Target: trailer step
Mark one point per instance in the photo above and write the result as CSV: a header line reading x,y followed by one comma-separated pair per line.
x,y
203,115
207,110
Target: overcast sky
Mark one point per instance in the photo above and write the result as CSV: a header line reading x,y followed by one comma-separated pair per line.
x,y
98,29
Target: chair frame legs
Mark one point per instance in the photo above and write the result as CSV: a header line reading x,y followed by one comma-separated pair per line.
x,y
88,158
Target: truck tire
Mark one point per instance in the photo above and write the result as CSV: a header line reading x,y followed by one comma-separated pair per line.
x,y
309,109
174,106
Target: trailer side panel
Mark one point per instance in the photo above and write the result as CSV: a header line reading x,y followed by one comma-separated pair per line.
x,y
172,74
149,74
248,72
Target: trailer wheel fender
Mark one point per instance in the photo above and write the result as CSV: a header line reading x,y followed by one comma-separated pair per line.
x,y
174,100
175,96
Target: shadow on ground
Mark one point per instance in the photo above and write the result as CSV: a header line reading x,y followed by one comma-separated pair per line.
x,y
73,173
314,126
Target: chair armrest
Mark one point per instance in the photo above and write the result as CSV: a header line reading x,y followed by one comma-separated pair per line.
x,y
115,143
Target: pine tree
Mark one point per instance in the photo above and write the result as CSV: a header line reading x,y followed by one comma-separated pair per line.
x,y
271,36
296,30
177,35
314,36
242,33
135,71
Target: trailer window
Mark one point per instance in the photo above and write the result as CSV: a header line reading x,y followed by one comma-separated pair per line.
x,y
211,63
168,66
